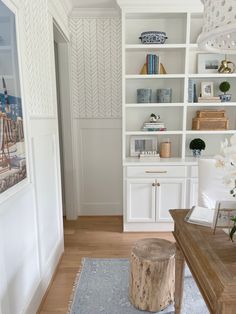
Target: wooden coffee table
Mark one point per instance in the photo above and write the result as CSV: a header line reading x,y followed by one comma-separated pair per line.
x,y
212,261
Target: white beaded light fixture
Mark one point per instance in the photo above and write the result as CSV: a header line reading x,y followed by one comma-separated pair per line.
x,y
219,26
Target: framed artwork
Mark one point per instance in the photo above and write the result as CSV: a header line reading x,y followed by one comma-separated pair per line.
x,y
209,62
12,133
207,89
139,144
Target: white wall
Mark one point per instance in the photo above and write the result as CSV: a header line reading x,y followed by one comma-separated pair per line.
x,y
31,231
96,111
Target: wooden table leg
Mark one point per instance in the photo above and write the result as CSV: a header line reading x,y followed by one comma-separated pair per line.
x,y
179,279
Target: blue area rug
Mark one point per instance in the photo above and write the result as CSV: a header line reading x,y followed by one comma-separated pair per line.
x,y
102,287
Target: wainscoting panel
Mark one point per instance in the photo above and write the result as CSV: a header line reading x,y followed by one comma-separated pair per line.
x,y
44,152
99,166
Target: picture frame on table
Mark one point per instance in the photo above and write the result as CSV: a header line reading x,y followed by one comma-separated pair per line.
x,y
207,89
209,62
142,143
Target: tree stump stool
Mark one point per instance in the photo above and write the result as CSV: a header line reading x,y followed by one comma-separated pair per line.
x,y
152,274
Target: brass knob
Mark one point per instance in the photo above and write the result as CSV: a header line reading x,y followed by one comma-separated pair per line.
x,y
158,184
153,184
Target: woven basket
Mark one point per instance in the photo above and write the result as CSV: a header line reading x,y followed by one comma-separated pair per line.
x,y
211,114
210,124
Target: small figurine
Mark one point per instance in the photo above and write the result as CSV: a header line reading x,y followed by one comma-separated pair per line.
x,y
154,118
225,68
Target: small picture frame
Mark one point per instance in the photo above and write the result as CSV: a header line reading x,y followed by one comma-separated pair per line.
x,y
139,144
222,217
207,89
209,62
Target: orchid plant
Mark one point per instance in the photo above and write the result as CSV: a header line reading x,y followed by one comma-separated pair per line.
x,y
227,160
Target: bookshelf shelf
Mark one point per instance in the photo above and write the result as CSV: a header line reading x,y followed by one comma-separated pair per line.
x,y
154,46
154,76
154,105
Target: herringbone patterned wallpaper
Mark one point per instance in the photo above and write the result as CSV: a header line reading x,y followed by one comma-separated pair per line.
x,y
38,45
96,67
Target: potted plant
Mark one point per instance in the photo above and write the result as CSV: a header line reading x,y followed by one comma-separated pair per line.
x,y
224,88
197,145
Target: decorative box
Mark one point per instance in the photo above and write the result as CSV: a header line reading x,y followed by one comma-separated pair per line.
x,y
153,37
211,114
210,124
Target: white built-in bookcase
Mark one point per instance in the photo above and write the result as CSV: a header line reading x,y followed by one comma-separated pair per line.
x,y
179,56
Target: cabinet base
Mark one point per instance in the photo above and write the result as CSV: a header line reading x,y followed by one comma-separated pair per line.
x,y
148,227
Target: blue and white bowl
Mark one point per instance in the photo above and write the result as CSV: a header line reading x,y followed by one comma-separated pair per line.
x,y
153,37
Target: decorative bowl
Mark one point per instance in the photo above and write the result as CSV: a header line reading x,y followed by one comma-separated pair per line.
x,y
153,37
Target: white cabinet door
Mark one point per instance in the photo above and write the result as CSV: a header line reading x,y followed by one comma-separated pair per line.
x,y
193,193
141,200
170,195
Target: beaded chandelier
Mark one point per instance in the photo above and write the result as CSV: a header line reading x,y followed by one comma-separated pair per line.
x,y
219,26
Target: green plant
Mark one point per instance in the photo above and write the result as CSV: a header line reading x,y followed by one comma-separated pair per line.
x,y
224,87
197,143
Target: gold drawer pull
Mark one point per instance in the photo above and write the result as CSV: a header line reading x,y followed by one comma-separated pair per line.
x,y
153,171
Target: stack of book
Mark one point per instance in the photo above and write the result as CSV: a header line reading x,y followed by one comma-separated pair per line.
x,y
209,99
154,126
152,62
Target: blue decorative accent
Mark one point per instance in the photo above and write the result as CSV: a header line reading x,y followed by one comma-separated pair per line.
x,y
153,37
144,95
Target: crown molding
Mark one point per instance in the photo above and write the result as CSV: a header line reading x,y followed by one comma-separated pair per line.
x,y
67,4
180,4
95,12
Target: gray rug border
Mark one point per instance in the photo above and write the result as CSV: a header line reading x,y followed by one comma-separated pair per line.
x,y
80,273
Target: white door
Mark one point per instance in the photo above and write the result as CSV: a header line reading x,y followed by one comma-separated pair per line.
x,y
170,195
141,200
193,191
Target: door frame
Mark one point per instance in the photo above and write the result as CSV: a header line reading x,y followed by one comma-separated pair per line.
x,y
66,121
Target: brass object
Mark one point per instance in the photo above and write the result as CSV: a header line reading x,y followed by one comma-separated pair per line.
x,y
162,69
144,69
153,184
226,67
154,171
158,184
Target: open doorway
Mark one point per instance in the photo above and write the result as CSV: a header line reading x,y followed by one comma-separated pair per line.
x,y
61,51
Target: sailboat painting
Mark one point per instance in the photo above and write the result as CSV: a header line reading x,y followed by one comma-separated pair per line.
x,y
12,135
12,144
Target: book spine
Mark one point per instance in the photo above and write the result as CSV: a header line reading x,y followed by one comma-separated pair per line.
x,y
194,92
157,65
147,63
190,91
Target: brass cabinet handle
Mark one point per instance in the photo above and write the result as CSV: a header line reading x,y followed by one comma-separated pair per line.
x,y
155,171
153,184
158,184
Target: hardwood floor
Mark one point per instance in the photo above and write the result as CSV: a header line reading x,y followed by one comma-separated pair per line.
x,y
88,237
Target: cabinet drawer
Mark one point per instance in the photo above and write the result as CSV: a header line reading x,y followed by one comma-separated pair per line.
x,y
157,172
194,172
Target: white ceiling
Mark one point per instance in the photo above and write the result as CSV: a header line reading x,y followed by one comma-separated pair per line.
x,y
94,3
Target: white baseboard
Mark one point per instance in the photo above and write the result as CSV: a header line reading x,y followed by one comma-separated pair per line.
x,y
148,227
36,299
101,209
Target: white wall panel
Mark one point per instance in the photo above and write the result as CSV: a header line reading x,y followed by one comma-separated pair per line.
x,y
19,251
99,166
46,188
